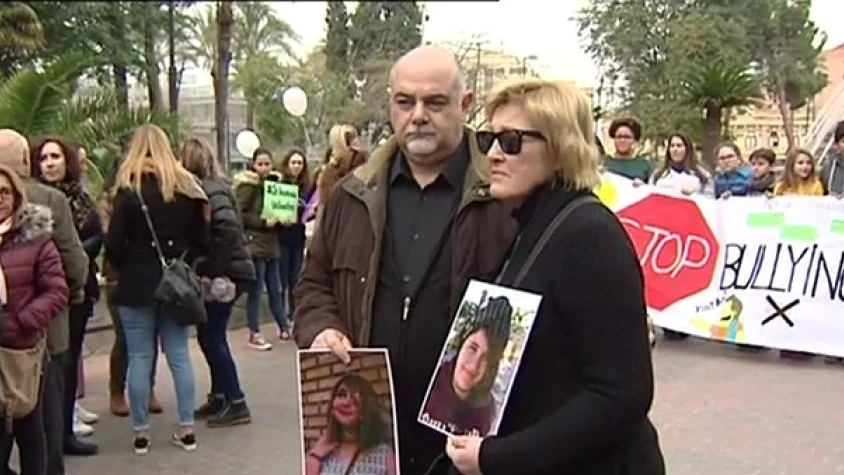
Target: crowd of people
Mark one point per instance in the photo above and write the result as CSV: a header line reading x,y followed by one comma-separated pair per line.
x,y
396,238
733,176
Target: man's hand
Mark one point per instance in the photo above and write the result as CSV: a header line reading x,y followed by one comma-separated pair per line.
x,y
726,195
336,342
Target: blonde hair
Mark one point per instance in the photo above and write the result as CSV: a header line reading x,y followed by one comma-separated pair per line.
x,y
150,152
561,113
17,188
340,139
198,157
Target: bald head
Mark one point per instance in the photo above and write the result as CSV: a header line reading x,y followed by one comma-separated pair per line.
x,y
428,106
430,58
14,151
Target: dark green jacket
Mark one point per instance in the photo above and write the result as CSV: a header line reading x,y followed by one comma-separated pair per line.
x,y
74,259
261,241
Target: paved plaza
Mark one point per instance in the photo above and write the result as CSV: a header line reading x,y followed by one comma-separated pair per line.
x,y
719,412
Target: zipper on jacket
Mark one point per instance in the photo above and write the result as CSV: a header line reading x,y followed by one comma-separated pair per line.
x,y
405,309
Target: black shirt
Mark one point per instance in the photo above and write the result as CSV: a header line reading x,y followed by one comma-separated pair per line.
x,y
418,218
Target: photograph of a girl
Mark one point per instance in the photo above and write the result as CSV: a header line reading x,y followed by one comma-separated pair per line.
x,y
358,438
478,362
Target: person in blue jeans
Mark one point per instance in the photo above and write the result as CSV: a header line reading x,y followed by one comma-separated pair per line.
x,y
262,243
291,237
224,274
159,208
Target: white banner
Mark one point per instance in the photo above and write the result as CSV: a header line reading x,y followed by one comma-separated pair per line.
x,y
757,271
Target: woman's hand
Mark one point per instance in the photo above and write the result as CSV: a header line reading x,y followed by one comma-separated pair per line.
x,y
769,195
464,452
688,191
637,182
726,195
270,222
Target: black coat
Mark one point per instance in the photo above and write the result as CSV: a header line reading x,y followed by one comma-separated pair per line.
x,y
580,401
227,249
181,229
91,235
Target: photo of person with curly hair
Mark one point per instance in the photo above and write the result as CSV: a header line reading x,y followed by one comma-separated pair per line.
x,y
347,414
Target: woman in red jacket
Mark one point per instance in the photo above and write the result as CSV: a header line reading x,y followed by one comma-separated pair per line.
x,y
33,291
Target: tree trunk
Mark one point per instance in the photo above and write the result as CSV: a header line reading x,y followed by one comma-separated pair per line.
x,y
121,83
711,134
787,116
250,115
151,70
221,78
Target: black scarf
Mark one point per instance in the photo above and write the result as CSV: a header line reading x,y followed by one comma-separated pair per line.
x,y
81,203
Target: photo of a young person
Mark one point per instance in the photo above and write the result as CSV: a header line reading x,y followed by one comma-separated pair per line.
x,y
460,400
357,436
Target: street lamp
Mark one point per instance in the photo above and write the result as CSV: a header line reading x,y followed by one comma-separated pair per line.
x,y
531,57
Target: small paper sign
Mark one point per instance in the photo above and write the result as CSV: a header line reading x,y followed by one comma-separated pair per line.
x,y
470,386
281,201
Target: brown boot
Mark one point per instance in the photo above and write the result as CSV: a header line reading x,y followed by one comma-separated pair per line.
x,y
154,405
117,405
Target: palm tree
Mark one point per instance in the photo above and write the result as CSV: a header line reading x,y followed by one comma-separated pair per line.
x,y
225,20
260,39
718,88
20,29
45,102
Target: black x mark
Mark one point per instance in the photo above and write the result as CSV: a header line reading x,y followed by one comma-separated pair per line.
x,y
780,311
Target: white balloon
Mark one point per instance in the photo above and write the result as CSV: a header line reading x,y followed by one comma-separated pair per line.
x,y
295,101
246,142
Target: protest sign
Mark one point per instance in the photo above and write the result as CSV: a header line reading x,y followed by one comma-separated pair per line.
x,y
758,271
281,201
470,386
342,405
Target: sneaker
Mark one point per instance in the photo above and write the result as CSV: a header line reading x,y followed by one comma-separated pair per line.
x,y
257,341
232,414
212,405
284,335
141,445
187,441
85,416
81,429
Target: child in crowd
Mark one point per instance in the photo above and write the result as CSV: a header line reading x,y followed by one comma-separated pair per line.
x,y
733,177
762,162
799,179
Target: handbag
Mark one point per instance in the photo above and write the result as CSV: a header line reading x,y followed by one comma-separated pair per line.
x,y
178,294
20,381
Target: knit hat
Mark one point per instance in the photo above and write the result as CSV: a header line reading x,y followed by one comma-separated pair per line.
x,y
494,318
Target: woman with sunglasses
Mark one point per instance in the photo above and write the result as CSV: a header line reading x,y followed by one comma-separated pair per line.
x,y
590,331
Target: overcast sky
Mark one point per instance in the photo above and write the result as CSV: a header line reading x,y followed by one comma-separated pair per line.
x,y
523,27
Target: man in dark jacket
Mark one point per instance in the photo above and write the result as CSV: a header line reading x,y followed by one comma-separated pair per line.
x,y
14,153
401,237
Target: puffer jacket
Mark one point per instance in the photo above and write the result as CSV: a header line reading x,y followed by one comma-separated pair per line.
x,y
35,279
261,240
228,256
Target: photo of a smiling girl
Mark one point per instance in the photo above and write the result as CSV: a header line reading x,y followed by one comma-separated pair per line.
x,y
346,413
469,389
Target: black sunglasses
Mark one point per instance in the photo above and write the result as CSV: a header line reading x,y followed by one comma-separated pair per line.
x,y
509,140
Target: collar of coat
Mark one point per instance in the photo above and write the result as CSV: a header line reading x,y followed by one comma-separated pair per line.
x,y
369,181
33,222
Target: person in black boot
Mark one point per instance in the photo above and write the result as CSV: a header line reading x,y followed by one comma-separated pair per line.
x,y
225,273
55,163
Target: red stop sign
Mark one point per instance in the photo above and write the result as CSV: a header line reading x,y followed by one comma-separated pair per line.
x,y
676,247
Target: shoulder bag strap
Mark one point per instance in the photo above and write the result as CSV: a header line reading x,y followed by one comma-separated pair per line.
x,y
151,228
352,462
544,238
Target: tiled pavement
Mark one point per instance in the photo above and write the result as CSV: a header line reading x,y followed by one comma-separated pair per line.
x,y
719,412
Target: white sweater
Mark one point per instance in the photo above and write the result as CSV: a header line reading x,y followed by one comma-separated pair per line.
x,y
678,181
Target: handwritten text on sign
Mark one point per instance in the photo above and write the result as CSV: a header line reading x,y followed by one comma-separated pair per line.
x,y
281,201
758,271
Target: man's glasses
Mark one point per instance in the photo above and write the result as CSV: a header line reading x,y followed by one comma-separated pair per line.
x,y
510,141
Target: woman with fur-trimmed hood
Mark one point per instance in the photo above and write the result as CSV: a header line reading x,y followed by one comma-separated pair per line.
x,y
262,242
33,292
